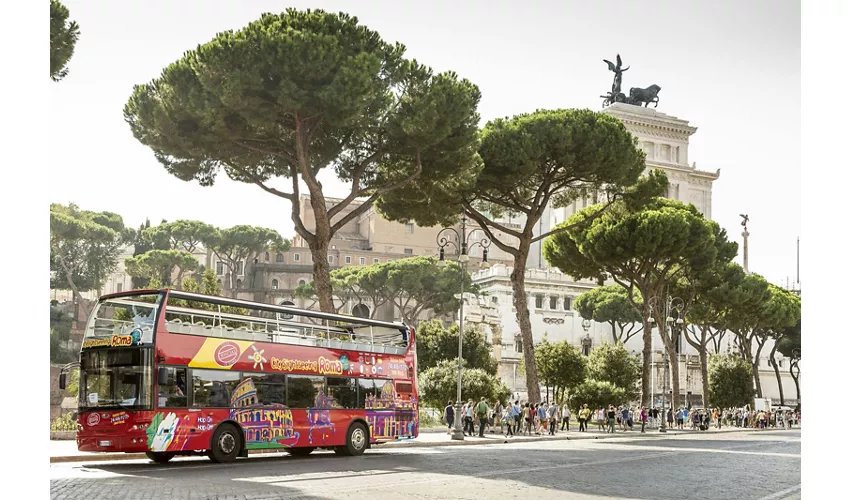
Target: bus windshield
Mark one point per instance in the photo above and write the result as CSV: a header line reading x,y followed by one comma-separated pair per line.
x,y
132,316
117,378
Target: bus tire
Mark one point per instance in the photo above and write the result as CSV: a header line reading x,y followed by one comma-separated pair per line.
x,y
159,457
356,441
226,443
301,451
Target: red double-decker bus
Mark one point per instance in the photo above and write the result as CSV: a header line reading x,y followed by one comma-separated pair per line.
x,y
175,373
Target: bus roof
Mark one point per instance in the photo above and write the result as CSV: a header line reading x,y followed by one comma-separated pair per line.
x,y
224,301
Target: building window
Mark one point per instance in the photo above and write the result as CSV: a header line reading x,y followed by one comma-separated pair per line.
x,y
239,268
360,311
330,259
362,260
408,228
238,284
297,257
538,302
376,261
494,300
408,251
119,287
275,284
267,256
518,342
302,282
219,268
348,259
279,258
553,302
567,303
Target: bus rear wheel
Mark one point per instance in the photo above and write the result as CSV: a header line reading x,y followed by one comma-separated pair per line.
x,y
300,451
356,441
159,457
226,444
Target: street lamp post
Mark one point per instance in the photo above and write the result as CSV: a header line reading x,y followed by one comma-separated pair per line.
x,y
670,304
462,246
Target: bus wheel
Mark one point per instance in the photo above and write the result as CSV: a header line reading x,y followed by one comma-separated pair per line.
x,y
159,458
301,451
355,442
226,444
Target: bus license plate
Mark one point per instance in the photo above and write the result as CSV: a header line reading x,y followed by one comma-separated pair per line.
x,y
105,443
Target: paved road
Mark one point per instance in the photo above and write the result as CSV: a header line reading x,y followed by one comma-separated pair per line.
x,y
748,465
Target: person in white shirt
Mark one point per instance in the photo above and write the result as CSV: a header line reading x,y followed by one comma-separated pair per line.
x,y
565,417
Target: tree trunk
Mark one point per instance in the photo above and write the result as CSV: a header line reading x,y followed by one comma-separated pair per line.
x,y
796,379
703,369
776,372
322,273
614,331
179,277
646,372
74,290
756,369
523,318
673,360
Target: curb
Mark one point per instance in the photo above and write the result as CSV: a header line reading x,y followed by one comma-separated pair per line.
x,y
103,457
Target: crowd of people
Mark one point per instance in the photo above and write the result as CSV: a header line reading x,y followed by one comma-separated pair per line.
x,y
516,418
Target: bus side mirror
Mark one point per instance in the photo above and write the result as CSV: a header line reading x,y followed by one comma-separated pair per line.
x,y
62,380
162,375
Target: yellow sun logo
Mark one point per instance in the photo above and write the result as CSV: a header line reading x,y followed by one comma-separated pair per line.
x,y
258,358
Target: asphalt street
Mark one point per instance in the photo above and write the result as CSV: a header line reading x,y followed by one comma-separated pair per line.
x,y
747,465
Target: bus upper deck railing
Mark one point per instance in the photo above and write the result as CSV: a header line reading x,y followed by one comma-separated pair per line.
x,y
337,331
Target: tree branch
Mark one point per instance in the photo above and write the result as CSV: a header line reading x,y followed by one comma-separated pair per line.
x,y
561,229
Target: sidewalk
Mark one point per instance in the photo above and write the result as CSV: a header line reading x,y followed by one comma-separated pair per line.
x,y
66,451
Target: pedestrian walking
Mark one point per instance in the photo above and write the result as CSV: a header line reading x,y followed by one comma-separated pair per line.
x,y
482,410
612,419
552,413
468,424
449,417
643,418
565,417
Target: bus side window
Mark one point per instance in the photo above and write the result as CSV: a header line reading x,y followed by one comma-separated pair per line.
x,y
172,387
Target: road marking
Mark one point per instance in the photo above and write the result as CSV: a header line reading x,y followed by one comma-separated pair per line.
x,y
780,494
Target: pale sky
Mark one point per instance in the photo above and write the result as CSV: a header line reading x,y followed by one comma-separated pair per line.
x,y
731,68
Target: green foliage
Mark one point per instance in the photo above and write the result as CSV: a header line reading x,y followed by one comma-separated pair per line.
x,y
294,93
73,386
414,285
160,265
58,353
560,365
791,341
610,304
435,344
730,381
84,246
646,246
60,322
186,235
63,423
240,244
426,420
613,363
63,39
438,385
208,286
597,394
